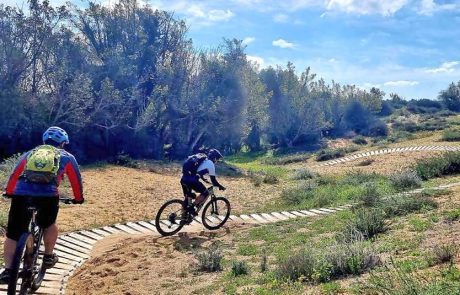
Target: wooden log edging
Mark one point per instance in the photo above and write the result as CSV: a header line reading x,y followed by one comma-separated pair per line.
x,y
352,157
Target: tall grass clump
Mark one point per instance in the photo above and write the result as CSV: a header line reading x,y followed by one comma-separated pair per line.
x,y
451,135
239,268
366,222
446,164
209,260
445,253
359,140
405,180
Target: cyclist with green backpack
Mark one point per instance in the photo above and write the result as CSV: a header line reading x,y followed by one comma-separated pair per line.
x,y
195,168
35,180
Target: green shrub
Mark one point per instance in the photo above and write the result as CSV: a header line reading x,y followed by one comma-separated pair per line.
x,y
209,260
239,268
405,180
451,135
359,140
303,174
446,164
284,160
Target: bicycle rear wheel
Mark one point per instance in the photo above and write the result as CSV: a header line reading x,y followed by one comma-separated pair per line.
x,y
168,219
216,213
18,263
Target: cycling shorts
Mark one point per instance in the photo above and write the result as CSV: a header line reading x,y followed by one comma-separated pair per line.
x,y
19,217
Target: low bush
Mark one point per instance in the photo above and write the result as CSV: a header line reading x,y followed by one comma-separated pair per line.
x,y
284,160
451,135
239,268
403,204
405,180
270,178
329,154
300,264
453,215
448,163
359,140
324,264
303,174
365,162
125,160
445,253
209,260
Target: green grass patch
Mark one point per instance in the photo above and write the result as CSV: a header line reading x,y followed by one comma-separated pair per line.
x,y
329,154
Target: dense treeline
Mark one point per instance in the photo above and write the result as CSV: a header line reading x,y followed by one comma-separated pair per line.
x,y
127,79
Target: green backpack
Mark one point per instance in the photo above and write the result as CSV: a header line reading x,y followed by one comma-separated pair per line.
x,y
42,164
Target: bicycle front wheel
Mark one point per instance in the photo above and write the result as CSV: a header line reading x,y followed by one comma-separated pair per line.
x,y
216,213
168,220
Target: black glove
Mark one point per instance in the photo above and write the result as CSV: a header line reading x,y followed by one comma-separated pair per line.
x,y
78,202
222,188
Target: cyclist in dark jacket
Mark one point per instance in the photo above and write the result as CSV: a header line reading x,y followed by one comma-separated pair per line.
x,y
190,180
45,196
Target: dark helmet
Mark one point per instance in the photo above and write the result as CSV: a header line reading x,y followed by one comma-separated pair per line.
x,y
214,155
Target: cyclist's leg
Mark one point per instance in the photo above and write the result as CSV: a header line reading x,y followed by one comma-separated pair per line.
x,y
199,187
18,222
46,218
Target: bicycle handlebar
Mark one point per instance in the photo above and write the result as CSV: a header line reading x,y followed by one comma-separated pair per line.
x,y
61,199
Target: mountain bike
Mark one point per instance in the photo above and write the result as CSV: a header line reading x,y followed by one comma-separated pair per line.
x,y
27,270
174,214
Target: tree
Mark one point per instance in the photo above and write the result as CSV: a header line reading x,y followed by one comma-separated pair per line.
x,y
451,97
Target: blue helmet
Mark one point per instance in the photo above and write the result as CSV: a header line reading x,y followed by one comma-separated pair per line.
x,y
57,134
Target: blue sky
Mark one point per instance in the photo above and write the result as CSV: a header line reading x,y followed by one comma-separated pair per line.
x,y
410,47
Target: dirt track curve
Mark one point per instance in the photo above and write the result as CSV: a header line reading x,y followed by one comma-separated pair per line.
x,y
75,248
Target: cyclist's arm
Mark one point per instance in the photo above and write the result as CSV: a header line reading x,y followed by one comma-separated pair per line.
x,y
74,175
14,177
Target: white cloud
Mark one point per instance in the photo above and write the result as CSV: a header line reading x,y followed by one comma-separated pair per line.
x,y
385,8
368,85
283,43
220,15
428,7
256,59
281,18
444,68
248,40
401,83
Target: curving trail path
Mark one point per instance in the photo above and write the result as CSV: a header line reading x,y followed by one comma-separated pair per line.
x,y
75,248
